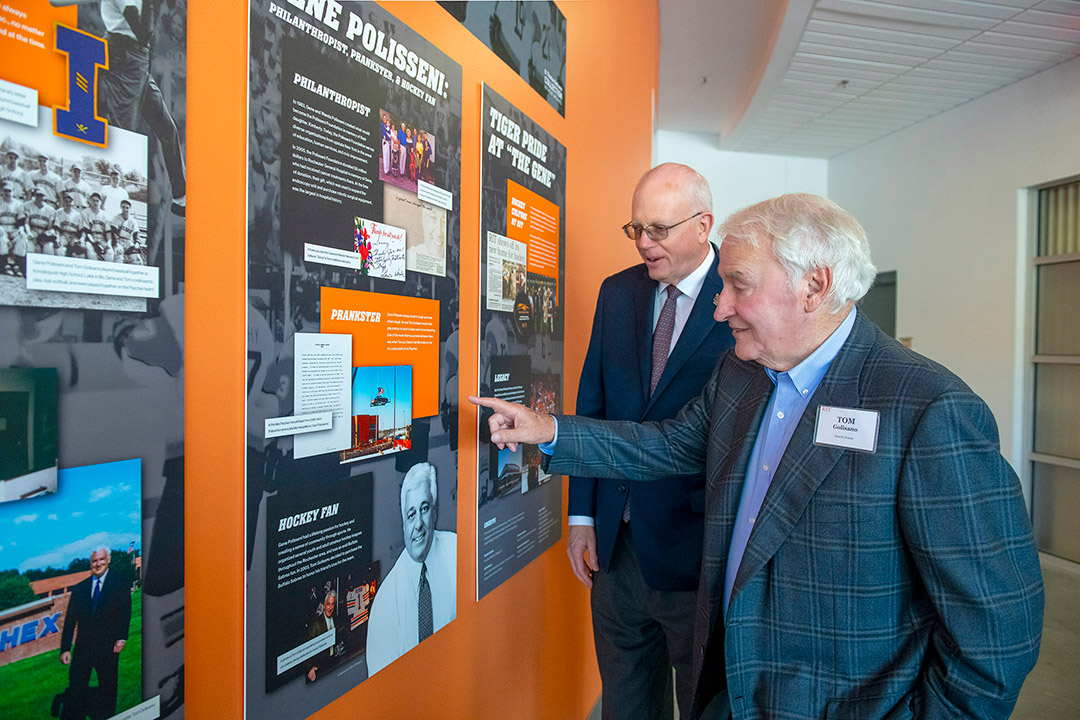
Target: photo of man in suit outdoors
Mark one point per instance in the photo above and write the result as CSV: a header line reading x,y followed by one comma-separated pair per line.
x,y
98,617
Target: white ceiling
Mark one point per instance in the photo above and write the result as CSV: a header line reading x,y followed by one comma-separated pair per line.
x,y
820,77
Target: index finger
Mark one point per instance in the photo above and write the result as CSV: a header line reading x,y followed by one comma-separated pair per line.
x,y
489,402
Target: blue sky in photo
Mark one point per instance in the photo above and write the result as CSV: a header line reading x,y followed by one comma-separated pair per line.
x,y
93,505
396,382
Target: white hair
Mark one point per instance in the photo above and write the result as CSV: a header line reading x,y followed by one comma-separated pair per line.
x,y
417,475
807,232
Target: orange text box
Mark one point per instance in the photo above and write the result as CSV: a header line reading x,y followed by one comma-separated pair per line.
x,y
389,330
534,220
28,53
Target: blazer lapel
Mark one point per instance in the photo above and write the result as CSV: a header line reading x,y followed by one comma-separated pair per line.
x,y
752,389
698,324
804,466
644,294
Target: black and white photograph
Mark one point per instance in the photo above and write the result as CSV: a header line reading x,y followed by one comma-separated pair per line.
x,y
64,199
530,37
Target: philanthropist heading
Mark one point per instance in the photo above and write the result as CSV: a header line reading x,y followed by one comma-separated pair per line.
x,y
373,40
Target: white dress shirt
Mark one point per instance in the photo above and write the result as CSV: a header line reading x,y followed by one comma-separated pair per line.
x,y
393,627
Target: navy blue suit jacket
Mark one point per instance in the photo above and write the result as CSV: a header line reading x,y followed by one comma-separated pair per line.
x,y
668,518
98,631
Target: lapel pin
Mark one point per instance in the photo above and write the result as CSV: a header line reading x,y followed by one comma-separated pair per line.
x,y
716,299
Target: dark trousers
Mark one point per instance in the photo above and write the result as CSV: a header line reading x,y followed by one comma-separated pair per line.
x,y
80,701
127,93
640,634
718,708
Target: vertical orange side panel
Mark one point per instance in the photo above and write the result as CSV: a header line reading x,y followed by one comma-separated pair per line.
x,y
215,333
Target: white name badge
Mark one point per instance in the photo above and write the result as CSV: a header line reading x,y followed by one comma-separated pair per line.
x,y
847,428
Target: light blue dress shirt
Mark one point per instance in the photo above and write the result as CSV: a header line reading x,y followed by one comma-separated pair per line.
x,y
787,403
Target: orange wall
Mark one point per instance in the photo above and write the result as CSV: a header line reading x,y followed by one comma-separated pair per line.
x,y
524,651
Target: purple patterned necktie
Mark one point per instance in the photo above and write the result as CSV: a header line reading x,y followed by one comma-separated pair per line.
x,y
661,345
661,340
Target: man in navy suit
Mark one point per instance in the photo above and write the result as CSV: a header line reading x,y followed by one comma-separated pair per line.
x,y
638,545
868,553
100,607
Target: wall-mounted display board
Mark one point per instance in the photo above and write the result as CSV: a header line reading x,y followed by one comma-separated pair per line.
x,y
92,232
523,236
530,37
353,252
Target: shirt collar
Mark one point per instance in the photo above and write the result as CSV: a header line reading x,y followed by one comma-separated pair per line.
x,y
691,284
807,375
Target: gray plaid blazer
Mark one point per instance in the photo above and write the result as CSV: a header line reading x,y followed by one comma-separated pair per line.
x,y
899,584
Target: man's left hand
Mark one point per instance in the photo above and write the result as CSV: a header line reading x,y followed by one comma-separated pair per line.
x,y
581,547
119,645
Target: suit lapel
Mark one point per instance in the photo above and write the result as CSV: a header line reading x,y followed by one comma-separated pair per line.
x,y
698,324
644,294
804,466
748,392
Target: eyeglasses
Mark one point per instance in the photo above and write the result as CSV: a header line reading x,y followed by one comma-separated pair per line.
x,y
655,231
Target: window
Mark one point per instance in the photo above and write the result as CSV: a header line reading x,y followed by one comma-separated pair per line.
x,y
1055,451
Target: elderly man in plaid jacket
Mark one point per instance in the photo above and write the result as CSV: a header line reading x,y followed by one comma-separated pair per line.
x,y
868,553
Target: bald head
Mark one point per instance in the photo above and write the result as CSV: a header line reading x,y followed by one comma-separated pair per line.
x,y
671,218
681,179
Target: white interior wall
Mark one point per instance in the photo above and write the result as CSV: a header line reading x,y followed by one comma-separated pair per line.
x,y
740,179
943,203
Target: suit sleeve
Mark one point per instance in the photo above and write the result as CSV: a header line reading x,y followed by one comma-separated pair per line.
x,y
965,524
590,403
313,632
639,451
71,619
123,608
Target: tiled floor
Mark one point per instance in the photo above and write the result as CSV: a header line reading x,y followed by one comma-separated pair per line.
x,y
1052,690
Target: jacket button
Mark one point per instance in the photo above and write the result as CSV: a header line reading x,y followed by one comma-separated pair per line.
x,y
622,488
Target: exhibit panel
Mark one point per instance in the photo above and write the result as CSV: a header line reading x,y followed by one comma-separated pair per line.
x,y
529,36
522,311
352,348
539,613
92,239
